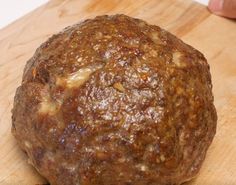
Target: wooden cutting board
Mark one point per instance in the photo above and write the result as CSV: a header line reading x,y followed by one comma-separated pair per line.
x,y
212,35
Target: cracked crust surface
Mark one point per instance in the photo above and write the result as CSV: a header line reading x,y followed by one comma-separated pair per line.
x,y
115,101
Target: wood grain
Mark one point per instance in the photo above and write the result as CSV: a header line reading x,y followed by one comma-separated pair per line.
x,y
214,36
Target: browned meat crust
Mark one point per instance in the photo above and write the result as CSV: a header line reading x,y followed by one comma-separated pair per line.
x,y
115,101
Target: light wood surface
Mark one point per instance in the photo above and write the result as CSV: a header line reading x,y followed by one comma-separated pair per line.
x,y
212,35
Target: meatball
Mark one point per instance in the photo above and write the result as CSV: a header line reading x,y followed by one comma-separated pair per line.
x,y
115,101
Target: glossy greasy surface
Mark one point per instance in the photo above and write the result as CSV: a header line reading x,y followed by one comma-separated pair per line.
x,y
114,100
